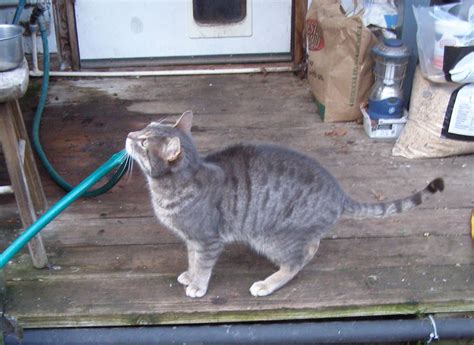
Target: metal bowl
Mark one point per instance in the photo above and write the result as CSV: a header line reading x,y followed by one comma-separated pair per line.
x,y
11,47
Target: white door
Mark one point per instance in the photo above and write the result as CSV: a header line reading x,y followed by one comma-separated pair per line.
x,y
131,29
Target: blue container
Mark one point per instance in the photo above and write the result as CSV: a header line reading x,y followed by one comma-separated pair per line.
x,y
389,108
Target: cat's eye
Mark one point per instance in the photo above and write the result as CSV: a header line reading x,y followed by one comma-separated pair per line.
x,y
143,143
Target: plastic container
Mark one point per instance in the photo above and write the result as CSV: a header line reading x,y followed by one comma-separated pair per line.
x,y
383,128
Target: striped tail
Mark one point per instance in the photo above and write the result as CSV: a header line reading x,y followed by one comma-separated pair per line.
x,y
383,209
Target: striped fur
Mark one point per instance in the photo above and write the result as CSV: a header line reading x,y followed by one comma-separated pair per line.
x,y
377,210
278,201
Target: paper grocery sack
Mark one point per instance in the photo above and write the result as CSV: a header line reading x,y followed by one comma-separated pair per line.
x,y
339,61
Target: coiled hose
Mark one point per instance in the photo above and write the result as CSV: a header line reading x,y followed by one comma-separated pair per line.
x,y
37,12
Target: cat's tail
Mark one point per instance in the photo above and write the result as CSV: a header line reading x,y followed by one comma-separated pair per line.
x,y
383,209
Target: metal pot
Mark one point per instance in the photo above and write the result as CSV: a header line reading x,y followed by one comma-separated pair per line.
x,y
11,46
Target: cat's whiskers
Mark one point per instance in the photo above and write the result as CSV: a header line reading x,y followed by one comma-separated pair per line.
x,y
160,121
129,168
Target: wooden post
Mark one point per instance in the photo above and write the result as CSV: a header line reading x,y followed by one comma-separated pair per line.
x,y
25,180
300,7
73,41
32,175
65,21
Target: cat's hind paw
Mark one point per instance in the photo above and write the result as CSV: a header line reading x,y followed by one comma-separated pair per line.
x,y
194,291
260,288
185,278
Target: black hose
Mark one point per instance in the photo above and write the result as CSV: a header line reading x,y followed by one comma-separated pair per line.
x,y
268,333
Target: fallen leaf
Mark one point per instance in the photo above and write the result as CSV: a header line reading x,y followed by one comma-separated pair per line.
x,y
336,132
378,195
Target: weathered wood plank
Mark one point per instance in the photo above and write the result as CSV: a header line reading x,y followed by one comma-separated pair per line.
x,y
64,139
364,167
75,263
364,184
201,93
72,229
86,227
156,299
360,184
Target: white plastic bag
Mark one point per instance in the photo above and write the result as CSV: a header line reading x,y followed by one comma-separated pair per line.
x,y
380,13
444,26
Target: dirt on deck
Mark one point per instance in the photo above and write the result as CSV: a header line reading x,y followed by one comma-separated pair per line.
x,y
113,264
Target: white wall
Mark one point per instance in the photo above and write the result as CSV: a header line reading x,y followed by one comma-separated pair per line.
x,y
163,28
6,17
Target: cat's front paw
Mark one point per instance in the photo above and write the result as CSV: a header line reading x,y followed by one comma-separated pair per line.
x,y
260,289
185,278
195,291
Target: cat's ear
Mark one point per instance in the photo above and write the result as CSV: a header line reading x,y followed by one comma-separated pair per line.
x,y
172,149
185,122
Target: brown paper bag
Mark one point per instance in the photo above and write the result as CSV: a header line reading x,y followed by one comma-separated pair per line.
x,y
339,61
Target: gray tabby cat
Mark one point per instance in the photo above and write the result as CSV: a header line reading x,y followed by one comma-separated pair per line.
x,y
278,201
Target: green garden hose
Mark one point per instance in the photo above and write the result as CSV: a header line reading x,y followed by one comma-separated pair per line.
x,y
37,123
19,9
118,159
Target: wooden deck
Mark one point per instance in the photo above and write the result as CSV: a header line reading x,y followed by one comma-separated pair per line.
x,y
112,264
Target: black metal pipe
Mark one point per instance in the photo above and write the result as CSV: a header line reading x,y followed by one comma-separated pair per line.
x,y
272,333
